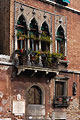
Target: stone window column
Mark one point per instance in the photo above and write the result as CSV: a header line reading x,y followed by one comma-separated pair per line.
x,y
51,46
15,44
28,47
40,62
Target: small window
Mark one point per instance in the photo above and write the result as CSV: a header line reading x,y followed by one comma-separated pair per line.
x,y
59,88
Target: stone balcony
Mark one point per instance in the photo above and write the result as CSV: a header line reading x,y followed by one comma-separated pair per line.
x,y
36,61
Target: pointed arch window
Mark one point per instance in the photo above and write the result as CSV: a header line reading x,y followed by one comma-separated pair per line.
x,y
34,95
60,41
21,31
45,33
34,44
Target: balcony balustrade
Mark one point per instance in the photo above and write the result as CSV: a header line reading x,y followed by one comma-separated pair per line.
x,y
39,59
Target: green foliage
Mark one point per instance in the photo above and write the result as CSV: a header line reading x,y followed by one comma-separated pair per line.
x,y
43,37
22,36
58,55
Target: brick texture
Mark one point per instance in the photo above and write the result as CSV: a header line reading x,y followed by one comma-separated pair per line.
x,y
22,82
4,26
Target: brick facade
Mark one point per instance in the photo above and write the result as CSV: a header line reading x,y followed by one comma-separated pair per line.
x,y
5,27
15,88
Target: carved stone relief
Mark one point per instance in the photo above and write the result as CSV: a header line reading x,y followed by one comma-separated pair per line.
x,y
60,20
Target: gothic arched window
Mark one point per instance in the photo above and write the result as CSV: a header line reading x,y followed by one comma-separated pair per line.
x,y
60,41
21,33
34,43
45,45
34,95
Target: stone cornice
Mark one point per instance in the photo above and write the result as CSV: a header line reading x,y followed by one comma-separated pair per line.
x,y
62,6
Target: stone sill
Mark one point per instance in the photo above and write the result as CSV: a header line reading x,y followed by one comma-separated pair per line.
x,y
64,61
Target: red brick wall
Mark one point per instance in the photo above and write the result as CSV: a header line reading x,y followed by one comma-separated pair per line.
x,y
72,21
38,4
4,26
20,86
73,37
75,4
73,46
72,31
73,78
5,90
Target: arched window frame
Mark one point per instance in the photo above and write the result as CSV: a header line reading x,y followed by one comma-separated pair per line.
x,y
65,37
42,89
16,31
35,43
48,34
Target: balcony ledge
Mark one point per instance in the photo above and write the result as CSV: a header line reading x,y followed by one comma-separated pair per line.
x,y
64,61
36,69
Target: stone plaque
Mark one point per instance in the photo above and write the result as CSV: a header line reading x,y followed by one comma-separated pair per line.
x,y
18,107
34,110
59,115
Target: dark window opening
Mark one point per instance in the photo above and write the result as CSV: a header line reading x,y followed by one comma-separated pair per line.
x,y
59,88
45,32
61,47
34,34
35,95
21,44
21,30
60,41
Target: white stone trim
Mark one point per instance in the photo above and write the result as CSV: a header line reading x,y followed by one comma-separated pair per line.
x,y
71,71
42,89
